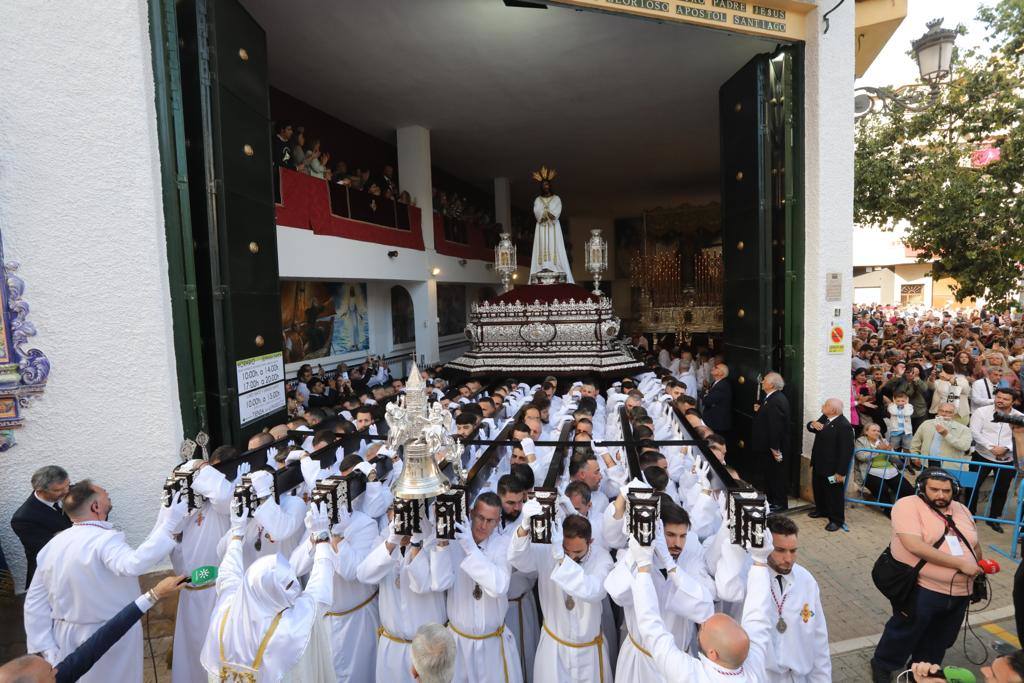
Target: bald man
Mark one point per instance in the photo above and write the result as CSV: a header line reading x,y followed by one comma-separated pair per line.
x,y
830,462
728,651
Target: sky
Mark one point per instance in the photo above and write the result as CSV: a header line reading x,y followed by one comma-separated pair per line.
x,y
893,66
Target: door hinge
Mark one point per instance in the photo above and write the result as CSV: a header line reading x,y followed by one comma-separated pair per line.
x,y
191,293
220,293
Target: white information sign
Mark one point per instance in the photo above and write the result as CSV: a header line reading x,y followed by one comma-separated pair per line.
x,y
259,402
260,371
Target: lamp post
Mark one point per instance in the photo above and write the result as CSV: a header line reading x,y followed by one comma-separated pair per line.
x,y
597,257
505,259
934,54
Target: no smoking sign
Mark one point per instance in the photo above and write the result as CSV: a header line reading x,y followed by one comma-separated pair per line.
x,y
835,340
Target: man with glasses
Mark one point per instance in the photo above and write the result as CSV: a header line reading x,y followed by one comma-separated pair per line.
x,y
475,571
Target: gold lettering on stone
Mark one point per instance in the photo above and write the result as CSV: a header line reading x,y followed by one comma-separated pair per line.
x,y
761,24
700,13
734,5
769,12
655,5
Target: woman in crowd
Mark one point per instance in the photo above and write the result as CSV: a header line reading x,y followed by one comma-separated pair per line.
x,y
863,398
879,472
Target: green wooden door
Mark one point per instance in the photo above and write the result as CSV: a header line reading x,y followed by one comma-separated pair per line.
x,y
227,125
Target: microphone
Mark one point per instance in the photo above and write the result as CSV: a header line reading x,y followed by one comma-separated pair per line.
x,y
989,566
956,674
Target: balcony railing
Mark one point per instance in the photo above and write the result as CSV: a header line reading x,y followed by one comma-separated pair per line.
x,y
331,209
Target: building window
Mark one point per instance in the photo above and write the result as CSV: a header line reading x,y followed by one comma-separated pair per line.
x,y
911,294
403,319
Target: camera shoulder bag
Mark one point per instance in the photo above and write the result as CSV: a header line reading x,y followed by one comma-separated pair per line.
x,y
896,580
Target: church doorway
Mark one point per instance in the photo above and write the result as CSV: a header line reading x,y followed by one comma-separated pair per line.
x,y
680,142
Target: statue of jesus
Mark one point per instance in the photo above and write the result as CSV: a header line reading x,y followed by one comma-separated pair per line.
x,y
548,245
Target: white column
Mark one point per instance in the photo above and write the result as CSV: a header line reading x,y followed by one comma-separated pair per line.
x,y
414,175
424,303
503,203
828,181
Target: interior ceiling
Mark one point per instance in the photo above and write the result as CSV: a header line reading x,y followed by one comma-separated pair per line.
x,y
625,109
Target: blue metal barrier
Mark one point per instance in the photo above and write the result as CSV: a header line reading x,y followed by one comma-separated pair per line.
x,y
968,472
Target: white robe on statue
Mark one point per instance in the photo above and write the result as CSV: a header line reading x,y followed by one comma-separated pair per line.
x,y
406,602
265,625
198,548
548,245
486,651
84,576
585,659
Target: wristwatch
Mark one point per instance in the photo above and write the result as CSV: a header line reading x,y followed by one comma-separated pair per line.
x,y
322,537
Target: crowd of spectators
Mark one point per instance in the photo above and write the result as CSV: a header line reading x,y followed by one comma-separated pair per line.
x,y
927,382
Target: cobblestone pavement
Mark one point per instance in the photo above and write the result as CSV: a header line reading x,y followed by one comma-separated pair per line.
x,y
857,612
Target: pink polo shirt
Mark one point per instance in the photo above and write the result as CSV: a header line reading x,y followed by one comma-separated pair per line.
x,y
911,515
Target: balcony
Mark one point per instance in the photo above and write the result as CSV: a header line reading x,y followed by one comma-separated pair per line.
x,y
329,209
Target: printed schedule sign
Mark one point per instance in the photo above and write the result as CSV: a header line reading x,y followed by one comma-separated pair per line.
x,y
264,401
260,371
260,386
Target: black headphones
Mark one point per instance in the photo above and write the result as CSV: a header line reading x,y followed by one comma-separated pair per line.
x,y
936,473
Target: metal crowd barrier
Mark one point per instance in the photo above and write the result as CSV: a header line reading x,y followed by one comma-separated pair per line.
x,y
968,473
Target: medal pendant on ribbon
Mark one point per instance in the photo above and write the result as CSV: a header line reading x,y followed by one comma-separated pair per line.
x,y
569,602
780,625
477,592
398,581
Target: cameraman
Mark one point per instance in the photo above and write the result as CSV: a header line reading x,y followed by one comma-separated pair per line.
x,y
931,526
993,443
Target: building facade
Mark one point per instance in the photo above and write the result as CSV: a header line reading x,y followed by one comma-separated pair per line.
x,y
86,194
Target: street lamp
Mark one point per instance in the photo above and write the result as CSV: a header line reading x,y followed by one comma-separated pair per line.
x,y
934,54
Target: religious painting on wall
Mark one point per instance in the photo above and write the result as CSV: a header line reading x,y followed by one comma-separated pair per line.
x,y
451,309
403,318
321,319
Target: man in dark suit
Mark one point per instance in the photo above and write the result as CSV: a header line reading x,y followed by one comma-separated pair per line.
x,y
76,664
718,401
770,436
40,517
830,461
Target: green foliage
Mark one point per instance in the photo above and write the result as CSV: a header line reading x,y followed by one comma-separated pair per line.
x,y
914,166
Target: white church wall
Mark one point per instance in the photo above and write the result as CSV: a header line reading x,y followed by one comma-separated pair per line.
x,y
828,178
81,210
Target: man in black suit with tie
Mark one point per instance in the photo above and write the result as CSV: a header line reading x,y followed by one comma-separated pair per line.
x,y
830,461
717,401
770,436
40,517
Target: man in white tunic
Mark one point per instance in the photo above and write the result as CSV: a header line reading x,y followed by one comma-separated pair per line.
x,y
400,569
548,244
352,621
522,617
275,527
264,627
570,575
799,650
475,571
86,574
198,548
729,652
683,588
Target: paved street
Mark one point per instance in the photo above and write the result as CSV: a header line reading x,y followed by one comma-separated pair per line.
x,y
857,612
